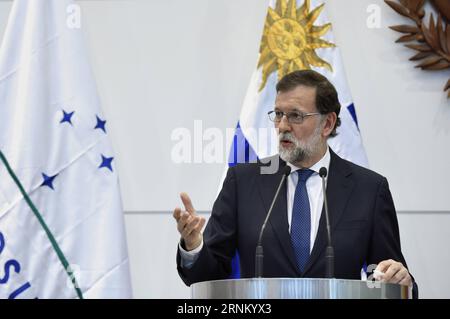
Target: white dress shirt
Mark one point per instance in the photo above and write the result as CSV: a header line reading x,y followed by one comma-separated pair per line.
x,y
315,195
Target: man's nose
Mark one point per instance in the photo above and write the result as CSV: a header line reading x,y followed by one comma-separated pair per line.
x,y
284,125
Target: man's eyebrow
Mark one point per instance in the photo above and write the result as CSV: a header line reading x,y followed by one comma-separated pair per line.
x,y
294,110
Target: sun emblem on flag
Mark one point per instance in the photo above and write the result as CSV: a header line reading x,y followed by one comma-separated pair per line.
x,y
290,39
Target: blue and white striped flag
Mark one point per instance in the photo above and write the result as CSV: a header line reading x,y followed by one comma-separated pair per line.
x,y
297,35
61,221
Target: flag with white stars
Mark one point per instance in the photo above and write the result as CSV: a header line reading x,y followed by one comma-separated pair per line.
x,y
62,229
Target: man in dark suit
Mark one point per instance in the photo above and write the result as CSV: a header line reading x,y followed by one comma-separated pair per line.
x,y
362,213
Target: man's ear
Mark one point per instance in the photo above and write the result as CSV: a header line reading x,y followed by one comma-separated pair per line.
x,y
330,122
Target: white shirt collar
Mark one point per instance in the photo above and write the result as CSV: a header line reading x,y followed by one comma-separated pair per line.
x,y
324,162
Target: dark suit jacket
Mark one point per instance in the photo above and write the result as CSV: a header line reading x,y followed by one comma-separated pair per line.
x,y
362,216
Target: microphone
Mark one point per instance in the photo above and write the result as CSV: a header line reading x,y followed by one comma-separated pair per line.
x,y
259,255
329,252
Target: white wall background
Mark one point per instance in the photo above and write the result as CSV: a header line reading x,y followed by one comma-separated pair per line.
x,y
161,64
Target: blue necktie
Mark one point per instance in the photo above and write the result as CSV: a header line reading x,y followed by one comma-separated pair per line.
x,y
301,221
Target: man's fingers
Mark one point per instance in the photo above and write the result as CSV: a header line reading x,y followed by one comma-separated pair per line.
x,y
177,213
399,276
189,224
384,265
193,227
393,272
199,227
187,203
393,269
184,219
189,227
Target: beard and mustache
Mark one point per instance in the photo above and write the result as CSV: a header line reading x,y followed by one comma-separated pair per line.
x,y
303,150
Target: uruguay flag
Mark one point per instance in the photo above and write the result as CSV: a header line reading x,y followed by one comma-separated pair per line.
x,y
297,35
62,229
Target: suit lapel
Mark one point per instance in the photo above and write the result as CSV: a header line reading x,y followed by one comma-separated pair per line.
x,y
278,220
339,189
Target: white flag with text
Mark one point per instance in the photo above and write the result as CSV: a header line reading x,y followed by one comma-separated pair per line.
x,y
62,231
